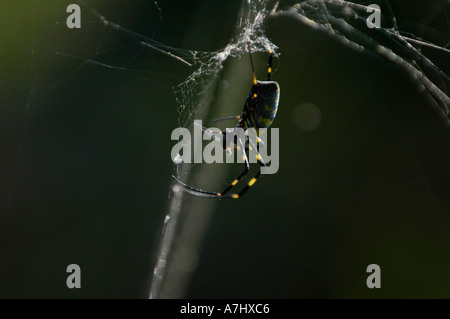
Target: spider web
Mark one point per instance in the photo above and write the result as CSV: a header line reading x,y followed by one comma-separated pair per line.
x,y
409,46
345,22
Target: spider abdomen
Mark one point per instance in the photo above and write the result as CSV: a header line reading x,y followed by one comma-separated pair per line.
x,y
261,105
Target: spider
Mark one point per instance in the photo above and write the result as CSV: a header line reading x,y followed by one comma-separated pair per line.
x,y
259,111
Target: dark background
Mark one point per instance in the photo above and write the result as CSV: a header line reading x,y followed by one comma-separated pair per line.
x,y
85,163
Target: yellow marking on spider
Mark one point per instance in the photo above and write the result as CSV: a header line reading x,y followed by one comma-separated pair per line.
x,y
235,196
258,157
234,182
270,70
265,121
219,194
252,181
255,95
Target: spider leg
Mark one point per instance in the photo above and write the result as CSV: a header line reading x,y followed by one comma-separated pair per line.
x,y
204,129
269,69
223,194
235,117
198,192
244,172
211,132
257,175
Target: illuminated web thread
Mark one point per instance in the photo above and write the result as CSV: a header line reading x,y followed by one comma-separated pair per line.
x,y
189,58
344,21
